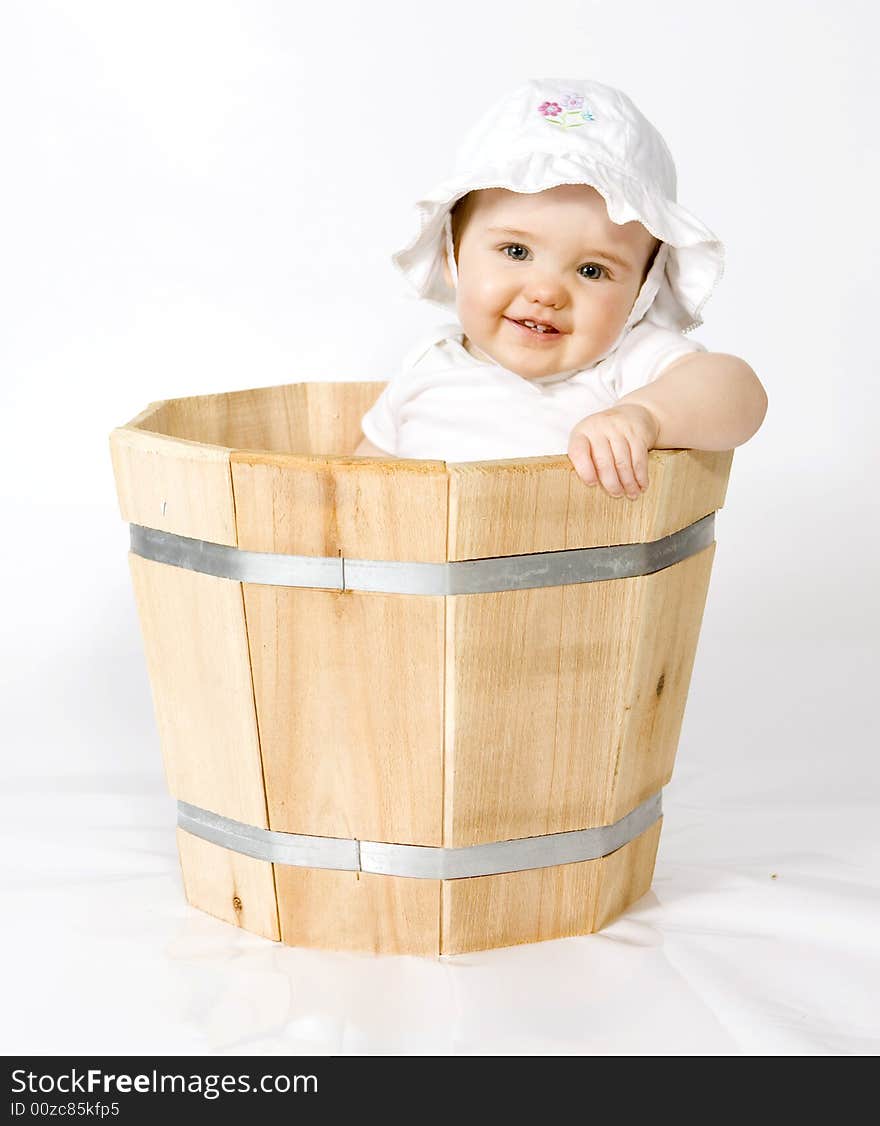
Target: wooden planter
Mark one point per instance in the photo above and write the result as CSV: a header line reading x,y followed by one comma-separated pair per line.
x,y
374,744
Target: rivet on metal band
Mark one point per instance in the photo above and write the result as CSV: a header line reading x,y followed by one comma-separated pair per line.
x,y
469,576
419,861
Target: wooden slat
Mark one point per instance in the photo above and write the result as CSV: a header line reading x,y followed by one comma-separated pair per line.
x,y
625,876
502,662
689,484
236,888
486,912
196,651
349,687
347,911
334,413
551,693
508,507
173,485
540,504
304,418
546,903
259,418
349,695
666,629
367,508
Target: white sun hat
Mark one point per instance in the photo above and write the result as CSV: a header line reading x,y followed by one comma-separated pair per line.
x,y
554,131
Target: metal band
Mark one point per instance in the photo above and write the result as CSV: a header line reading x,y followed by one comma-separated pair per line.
x,y
421,862
470,576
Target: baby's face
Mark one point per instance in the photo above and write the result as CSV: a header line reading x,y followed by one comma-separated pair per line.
x,y
552,256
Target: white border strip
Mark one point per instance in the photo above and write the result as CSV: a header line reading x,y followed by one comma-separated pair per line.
x,y
420,862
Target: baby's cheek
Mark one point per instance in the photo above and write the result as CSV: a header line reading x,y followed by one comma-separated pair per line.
x,y
488,294
607,316
480,307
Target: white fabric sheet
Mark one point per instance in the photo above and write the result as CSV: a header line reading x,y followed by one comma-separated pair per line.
x,y
720,958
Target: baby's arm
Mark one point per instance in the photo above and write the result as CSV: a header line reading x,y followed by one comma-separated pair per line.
x,y
367,449
702,401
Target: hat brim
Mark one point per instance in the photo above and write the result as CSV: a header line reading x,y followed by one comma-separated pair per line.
x,y
695,263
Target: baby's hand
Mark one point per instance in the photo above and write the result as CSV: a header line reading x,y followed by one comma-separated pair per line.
x,y
611,448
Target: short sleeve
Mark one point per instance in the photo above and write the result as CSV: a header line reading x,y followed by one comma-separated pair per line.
x,y
379,425
646,353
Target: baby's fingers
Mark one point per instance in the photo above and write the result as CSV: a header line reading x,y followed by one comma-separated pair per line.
x,y
613,461
581,458
639,453
623,463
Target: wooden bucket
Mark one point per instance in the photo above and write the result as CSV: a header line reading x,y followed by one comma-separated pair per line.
x,y
407,706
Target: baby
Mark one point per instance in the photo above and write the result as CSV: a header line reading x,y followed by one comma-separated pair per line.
x,y
574,275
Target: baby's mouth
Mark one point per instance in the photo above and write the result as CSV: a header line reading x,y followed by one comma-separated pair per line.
x,y
539,328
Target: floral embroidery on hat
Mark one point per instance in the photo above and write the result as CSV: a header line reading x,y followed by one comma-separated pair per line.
x,y
568,111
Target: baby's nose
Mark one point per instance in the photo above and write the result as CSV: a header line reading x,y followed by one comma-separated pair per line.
x,y
546,290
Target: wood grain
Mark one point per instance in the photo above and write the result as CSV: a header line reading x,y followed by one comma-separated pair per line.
x,y
348,684
173,485
564,704
197,658
350,911
335,411
362,508
304,418
236,888
625,876
656,680
540,504
259,418
349,695
486,912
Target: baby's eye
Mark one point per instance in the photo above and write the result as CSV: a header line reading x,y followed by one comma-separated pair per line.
x,y
512,250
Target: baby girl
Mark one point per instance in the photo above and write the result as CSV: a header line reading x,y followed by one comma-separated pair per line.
x,y
574,275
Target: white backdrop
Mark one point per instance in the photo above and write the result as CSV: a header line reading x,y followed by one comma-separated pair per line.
x,y
204,196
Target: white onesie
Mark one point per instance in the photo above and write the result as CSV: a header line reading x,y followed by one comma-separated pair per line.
x,y
447,405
